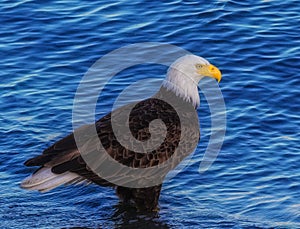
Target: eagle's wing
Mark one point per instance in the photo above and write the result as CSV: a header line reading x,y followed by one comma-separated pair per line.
x,y
62,162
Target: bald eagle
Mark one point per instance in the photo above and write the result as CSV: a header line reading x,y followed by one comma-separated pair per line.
x,y
63,163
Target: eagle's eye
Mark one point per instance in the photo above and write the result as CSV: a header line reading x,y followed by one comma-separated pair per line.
x,y
199,66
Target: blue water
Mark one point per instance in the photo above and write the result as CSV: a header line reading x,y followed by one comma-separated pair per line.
x,y
46,47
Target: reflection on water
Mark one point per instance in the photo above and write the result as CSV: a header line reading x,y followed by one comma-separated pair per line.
x,y
126,215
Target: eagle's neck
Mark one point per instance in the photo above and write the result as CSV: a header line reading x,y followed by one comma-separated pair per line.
x,y
182,86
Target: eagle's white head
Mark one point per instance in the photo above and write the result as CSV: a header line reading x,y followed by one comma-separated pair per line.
x,y
184,75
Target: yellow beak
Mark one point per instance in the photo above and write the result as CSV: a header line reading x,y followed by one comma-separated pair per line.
x,y
211,71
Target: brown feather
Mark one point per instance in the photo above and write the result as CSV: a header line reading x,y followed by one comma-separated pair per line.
x,y
64,156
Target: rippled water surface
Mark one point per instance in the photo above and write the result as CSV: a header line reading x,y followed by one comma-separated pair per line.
x,y
46,47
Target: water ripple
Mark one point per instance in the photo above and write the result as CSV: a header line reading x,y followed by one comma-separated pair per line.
x,y
46,49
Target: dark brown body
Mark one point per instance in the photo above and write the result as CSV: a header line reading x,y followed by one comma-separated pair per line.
x,y
64,155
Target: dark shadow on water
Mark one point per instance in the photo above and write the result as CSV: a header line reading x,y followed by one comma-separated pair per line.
x,y
127,216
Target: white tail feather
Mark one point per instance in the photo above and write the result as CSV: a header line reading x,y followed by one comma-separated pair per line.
x,y
44,180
